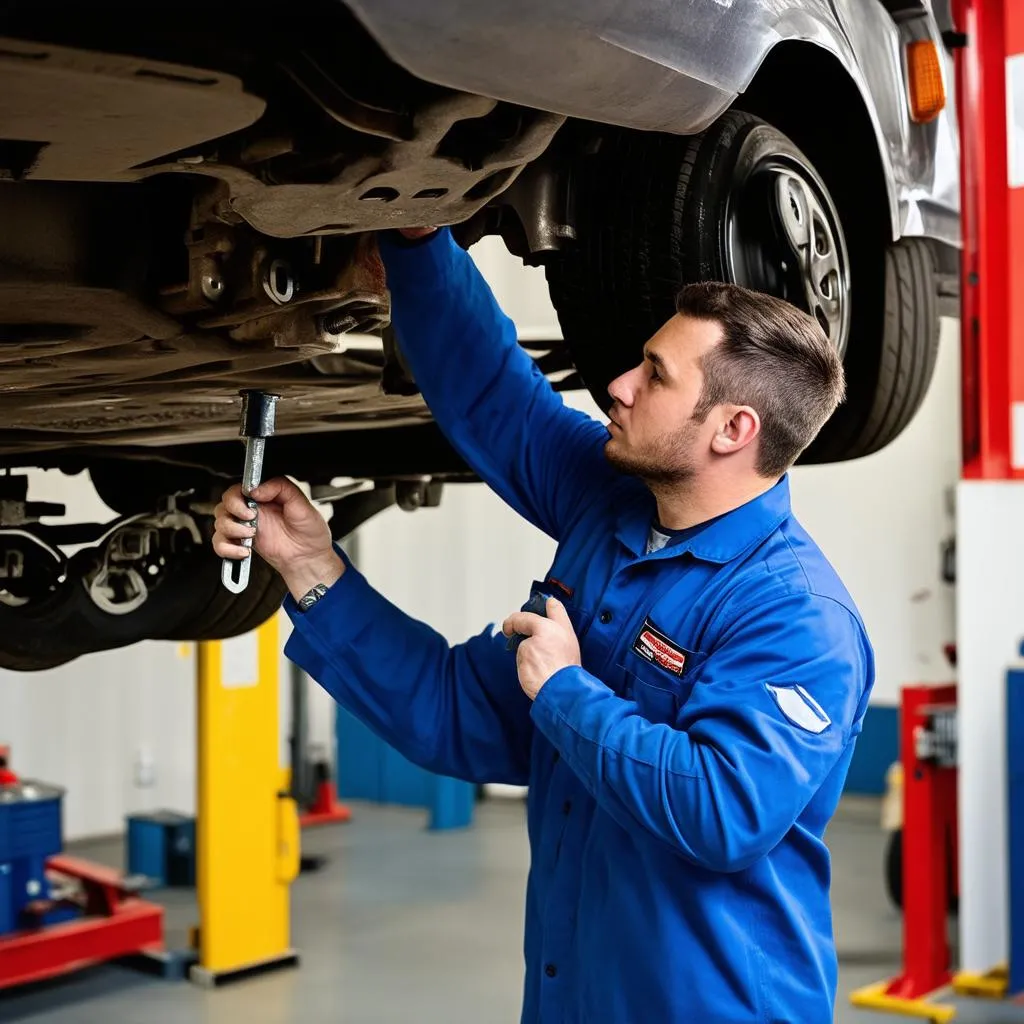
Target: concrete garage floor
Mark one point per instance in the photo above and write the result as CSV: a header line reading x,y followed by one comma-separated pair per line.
x,y
405,925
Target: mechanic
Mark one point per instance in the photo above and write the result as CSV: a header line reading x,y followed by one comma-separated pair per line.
x,y
686,711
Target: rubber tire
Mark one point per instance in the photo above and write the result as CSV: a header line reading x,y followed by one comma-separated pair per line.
x,y
897,369
67,624
218,614
15,662
200,608
648,210
190,604
894,868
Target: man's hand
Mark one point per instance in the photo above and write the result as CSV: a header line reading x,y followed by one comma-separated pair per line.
x,y
293,537
550,645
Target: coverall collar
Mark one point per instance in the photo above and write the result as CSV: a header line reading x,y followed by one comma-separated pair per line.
x,y
725,539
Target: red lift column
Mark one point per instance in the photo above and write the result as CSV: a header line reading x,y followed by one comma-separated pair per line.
x,y
992,204
928,753
929,830
990,498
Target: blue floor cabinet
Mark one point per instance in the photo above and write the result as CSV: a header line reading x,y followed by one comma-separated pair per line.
x,y
369,769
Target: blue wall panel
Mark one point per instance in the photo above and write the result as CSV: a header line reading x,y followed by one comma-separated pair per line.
x,y
877,747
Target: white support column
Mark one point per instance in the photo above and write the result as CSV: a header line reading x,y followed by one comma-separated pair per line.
x,y
990,625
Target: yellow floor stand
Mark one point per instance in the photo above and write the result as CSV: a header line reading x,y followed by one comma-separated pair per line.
x,y
874,997
989,985
247,849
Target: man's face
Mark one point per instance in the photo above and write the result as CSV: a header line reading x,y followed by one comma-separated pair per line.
x,y
652,431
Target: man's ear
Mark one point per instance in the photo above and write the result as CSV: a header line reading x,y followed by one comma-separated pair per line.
x,y
739,426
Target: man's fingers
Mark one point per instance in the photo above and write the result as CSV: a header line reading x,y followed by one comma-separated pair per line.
x,y
234,504
523,623
225,549
232,530
557,613
527,623
280,490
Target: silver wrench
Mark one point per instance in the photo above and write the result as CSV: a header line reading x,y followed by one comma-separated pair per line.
x,y
256,426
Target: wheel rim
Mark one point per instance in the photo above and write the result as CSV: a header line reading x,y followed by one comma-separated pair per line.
x,y
783,236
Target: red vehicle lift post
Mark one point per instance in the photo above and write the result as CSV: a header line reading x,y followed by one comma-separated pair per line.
x,y
990,506
992,212
927,751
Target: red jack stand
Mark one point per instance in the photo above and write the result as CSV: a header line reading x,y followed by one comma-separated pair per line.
x,y
325,809
312,788
115,924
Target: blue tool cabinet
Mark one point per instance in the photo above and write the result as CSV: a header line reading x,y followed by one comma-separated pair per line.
x,y
161,845
369,769
30,832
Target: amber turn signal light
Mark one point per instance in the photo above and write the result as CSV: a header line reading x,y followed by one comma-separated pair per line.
x,y
926,89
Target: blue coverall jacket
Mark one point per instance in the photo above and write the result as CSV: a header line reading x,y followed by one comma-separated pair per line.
x,y
680,781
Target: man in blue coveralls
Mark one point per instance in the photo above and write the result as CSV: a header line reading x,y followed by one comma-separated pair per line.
x,y
685,713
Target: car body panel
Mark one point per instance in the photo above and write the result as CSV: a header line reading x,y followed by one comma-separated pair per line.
x,y
675,67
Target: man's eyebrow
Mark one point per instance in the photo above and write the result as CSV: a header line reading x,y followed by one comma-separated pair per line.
x,y
652,357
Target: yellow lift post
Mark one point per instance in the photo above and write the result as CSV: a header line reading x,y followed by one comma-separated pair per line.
x,y
247,843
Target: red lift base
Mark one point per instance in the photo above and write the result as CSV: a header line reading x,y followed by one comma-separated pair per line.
x,y
116,924
930,851
326,810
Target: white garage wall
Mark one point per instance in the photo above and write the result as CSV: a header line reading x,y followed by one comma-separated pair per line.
x,y
881,521
88,725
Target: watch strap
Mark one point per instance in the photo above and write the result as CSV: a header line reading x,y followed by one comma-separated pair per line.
x,y
311,597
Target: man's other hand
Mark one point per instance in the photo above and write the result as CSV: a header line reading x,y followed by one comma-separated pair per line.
x,y
550,645
293,537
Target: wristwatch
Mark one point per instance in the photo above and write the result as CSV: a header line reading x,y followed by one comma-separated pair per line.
x,y
311,597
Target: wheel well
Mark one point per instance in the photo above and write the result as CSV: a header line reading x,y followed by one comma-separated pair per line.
x,y
798,89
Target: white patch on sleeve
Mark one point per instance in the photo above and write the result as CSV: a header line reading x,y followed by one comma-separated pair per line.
x,y
800,707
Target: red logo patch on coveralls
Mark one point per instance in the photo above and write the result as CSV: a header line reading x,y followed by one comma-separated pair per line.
x,y
652,645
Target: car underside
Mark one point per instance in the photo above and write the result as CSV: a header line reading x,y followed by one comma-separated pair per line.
x,y
190,205
237,257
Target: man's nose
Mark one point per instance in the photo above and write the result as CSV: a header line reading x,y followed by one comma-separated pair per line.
x,y
623,387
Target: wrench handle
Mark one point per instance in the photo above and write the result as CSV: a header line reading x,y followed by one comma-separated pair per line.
x,y
234,572
257,426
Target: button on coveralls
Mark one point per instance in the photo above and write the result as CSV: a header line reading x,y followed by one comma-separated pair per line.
x,y
680,781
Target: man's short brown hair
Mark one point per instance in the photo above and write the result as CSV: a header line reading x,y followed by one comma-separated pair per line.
x,y
774,358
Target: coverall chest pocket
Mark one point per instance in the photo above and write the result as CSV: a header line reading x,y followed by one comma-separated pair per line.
x,y
659,694
579,618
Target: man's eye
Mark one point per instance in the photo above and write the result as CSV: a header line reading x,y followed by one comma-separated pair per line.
x,y
654,374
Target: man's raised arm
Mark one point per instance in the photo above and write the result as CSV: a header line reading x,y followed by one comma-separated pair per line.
x,y
487,395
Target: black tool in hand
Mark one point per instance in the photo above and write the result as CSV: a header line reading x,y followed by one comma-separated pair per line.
x,y
256,426
537,604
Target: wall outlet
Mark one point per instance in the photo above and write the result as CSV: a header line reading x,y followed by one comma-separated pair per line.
x,y
145,770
